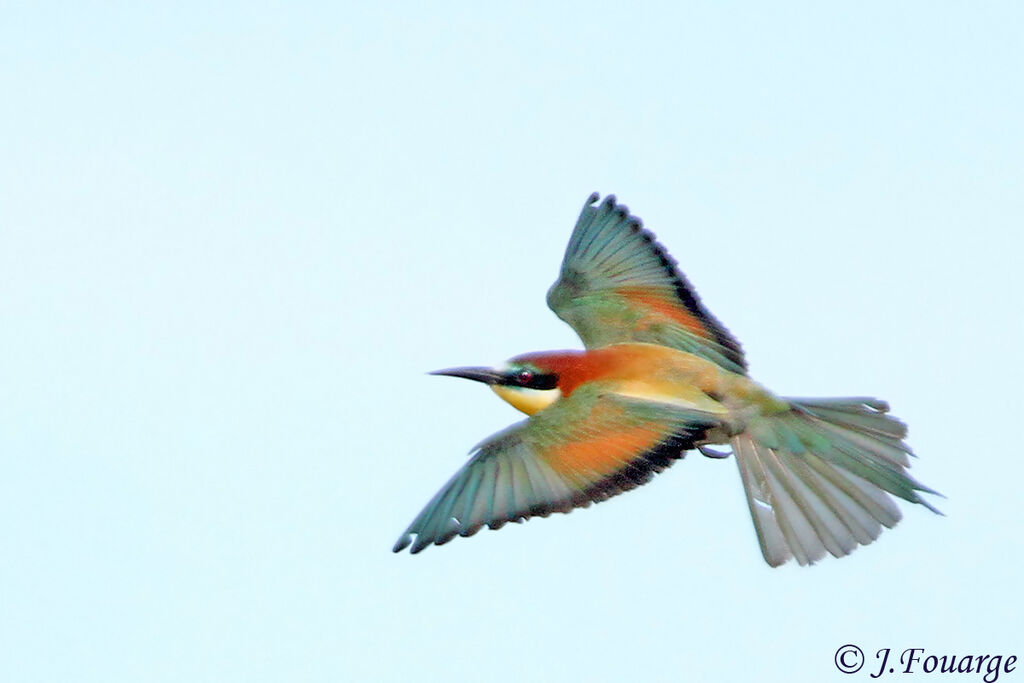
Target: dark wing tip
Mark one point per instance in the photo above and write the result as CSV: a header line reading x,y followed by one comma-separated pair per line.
x,y
421,543
610,205
402,543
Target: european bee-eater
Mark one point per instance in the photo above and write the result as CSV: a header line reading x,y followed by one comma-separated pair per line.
x,y
661,376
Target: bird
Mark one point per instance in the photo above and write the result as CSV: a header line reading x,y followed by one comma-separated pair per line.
x,y
660,376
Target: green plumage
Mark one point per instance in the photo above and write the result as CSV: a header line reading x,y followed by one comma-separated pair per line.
x,y
663,376
510,477
615,278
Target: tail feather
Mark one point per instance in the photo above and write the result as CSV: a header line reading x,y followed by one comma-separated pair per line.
x,y
818,477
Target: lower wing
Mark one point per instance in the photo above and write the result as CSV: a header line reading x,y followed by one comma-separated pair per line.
x,y
584,449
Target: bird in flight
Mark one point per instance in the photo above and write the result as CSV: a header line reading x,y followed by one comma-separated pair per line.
x,y
661,376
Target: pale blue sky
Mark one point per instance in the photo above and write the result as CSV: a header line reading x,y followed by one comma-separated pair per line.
x,y
233,239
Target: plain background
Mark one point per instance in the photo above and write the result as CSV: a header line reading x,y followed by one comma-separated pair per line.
x,y
233,239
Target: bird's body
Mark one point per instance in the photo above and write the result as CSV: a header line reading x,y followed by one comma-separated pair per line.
x,y
657,373
661,376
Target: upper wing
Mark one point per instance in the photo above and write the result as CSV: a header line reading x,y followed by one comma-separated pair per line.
x,y
618,284
585,448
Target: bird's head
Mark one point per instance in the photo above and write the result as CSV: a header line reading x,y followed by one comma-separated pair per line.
x,y
525,385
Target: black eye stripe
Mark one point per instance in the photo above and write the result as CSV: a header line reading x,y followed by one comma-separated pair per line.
x,y
543,382
530,379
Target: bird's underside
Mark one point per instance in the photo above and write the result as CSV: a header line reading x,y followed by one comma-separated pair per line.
x,y
661,376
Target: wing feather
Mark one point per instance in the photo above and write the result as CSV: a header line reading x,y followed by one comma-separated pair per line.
x,y
586,448
618,284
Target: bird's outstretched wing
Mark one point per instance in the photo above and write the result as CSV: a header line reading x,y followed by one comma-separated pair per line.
x,y
585,448
617,284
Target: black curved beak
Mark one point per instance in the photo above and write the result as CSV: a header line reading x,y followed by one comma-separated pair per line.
x,y
485,375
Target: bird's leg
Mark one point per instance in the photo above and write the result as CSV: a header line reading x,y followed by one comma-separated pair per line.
x,y
708,452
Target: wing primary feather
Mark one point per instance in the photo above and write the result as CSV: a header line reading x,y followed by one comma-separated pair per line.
x,y
482,505
499,501
618,284
522,491
554,462
583,223
465,515
597,214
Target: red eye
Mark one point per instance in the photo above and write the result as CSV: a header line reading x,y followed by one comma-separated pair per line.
x,y
525,377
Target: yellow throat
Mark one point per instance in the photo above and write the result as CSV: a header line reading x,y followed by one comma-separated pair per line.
x,y
529,401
